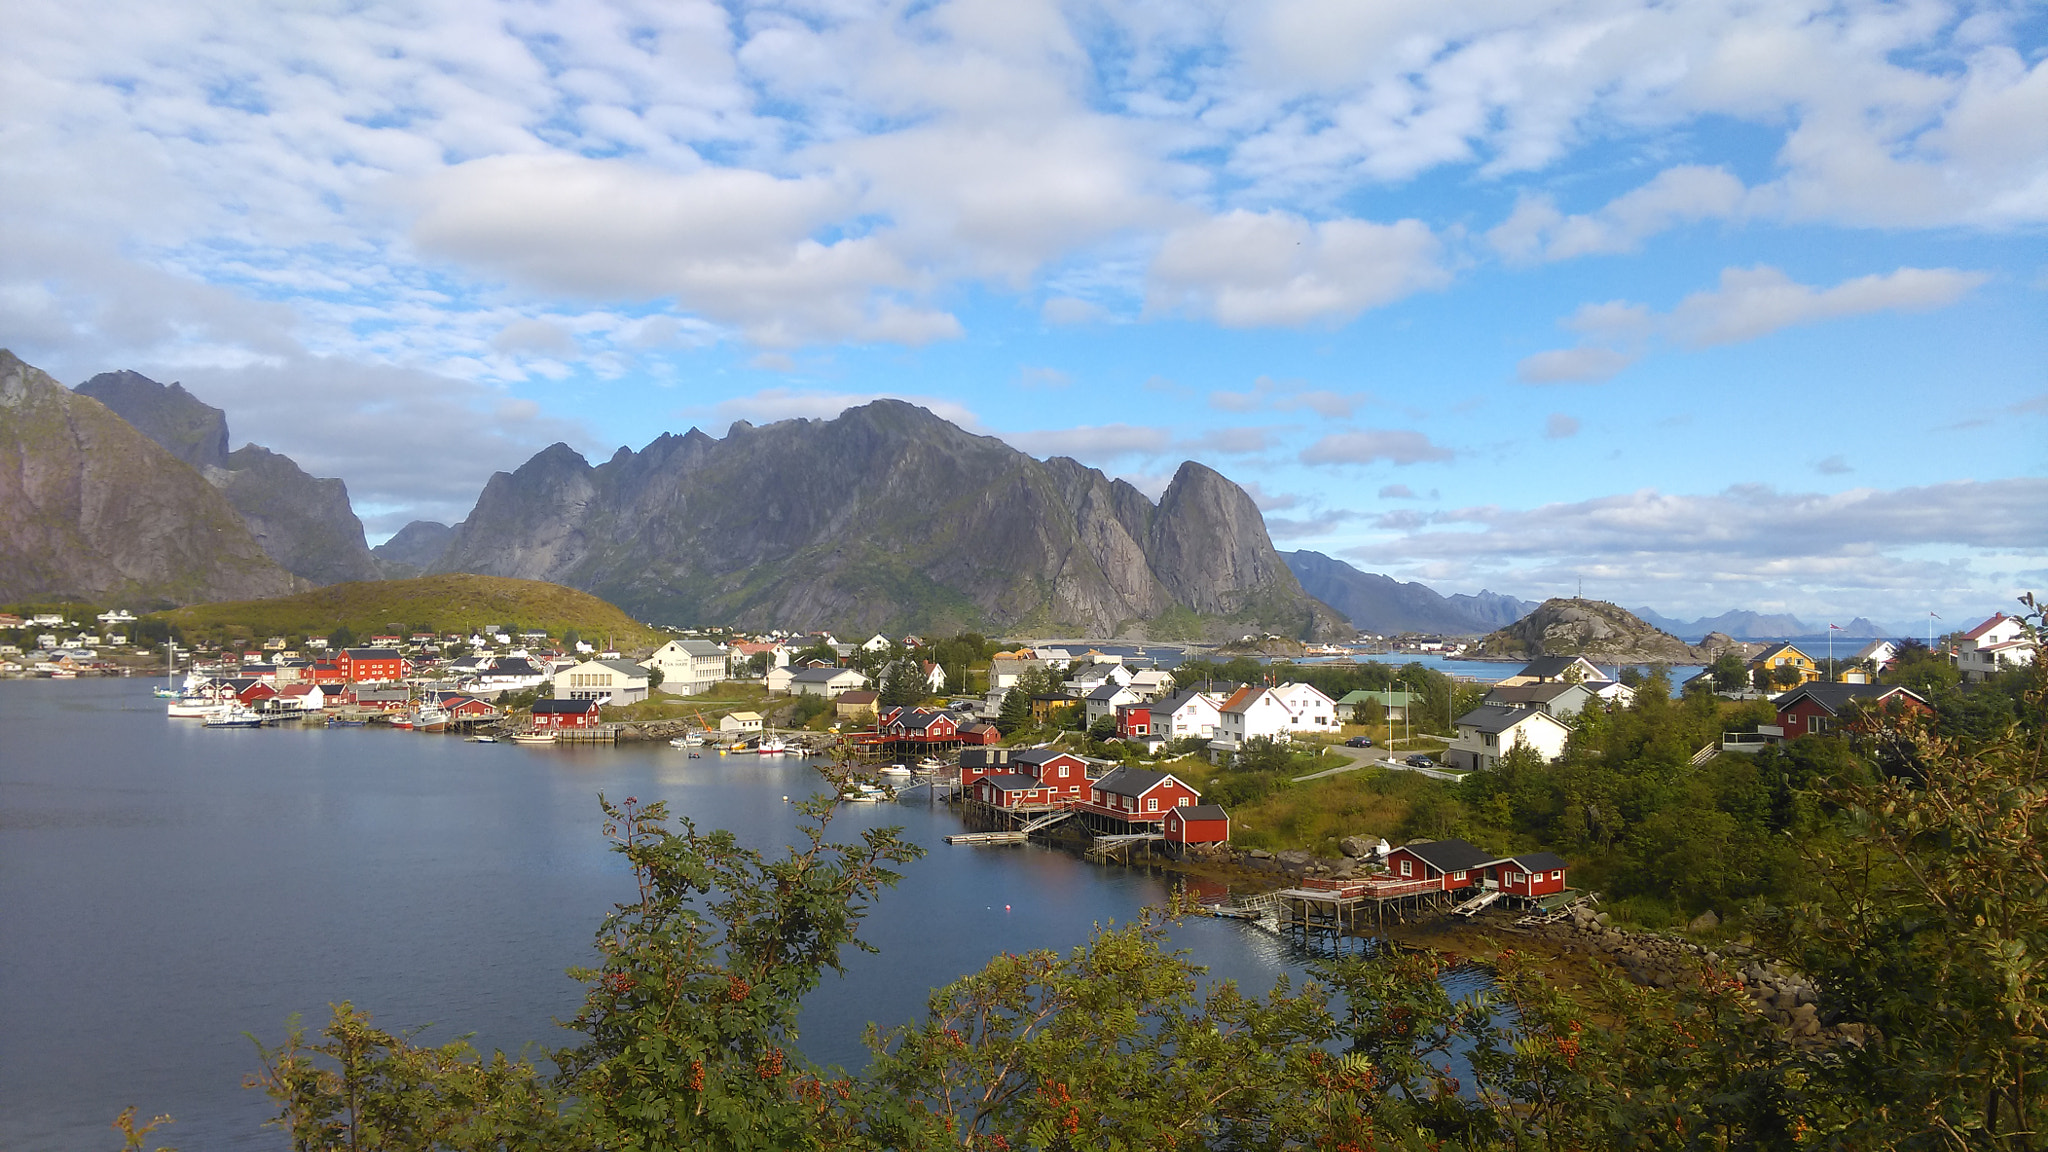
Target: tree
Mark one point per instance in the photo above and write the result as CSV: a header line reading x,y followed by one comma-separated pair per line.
x,y
901,684
1016,712
342,637
655,676
759,663
1728,670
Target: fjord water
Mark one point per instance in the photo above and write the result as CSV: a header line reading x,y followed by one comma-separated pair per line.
x,y
165,888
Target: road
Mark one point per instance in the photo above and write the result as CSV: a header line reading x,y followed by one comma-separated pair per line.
x,y
1374,758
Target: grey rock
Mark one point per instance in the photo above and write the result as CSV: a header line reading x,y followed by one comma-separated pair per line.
x,y
1704,922
1261,854
1357,847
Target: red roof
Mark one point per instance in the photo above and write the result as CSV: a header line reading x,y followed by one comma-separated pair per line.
x,y
1997,618
1236,698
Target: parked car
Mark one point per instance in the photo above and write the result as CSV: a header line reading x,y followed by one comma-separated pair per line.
x,y
1418,760
1359,742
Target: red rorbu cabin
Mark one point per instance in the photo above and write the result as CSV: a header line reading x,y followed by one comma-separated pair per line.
x,y
1448,865
1133,794
1063,773
1197,824
976,763
565,714
1531,875
1012,791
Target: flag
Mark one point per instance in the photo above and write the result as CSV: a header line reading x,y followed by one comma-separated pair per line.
x,y
1836,628
1936,615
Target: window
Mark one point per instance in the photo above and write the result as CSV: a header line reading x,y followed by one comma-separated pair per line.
x,y
1407,869
1816,723
1151,803
1557,874
1457,875
1181,803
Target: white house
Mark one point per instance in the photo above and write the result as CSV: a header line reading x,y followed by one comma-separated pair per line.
x,y
1613,692
1871,657
1488,732
688,667
1088,677
1275,712
876,643
1005,671
614,682
1996,644
1560,699
740,722
1555,669
1151,683
505,675
826,682
1189,714
1105,700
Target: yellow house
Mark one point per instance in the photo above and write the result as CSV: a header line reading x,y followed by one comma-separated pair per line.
x,y
1786,656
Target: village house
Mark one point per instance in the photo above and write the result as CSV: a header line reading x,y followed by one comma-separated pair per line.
x,y
978,762
614,682
688,667
1870,660
1063,774
1443,865
1529,875
1555,670
1005,671
1151,683
1352,706
740,722
848,705
365,665
1138,795
928,724
1560,701
1087,678
1135,725
1197,824
1779,656
558,714
1489,732
1278,713
826,682
1013,791
1191,714
1819,707
1105,699
1989,648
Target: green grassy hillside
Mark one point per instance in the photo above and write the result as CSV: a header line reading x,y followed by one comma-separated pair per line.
x,y
438,604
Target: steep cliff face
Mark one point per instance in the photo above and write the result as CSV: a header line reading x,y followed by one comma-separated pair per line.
x,y
1382,604
92,508
187,427
305,523
884,518
1595,629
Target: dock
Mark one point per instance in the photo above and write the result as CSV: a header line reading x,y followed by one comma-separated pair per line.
x,y
988,838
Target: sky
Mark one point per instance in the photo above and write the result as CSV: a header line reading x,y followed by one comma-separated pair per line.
x,y
1694,306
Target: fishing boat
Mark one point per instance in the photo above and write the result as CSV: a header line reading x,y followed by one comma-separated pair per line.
x,y
533,737
894,770
771,745
932,764
856,792
430,719
192,707
480,738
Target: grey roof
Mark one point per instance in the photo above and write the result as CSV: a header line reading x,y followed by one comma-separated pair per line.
x,y
1040,756
1835,697
514,667
1202,812
625,666
1532,693
1496,718
819,675
1106,693
372,653
1536,861
1448,855
573,706
699,647
1130,781
1011,782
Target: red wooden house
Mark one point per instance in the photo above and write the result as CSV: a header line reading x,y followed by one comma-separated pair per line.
x,y
1197,824
979,733
1446,865
326,673
976,763
462,706
1134,794
361,665
565,714
251,690
1811,709
1013,791
1531,875
1134,721
1063,772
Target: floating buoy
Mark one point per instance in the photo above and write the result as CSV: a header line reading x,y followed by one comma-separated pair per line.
x,y
1006,907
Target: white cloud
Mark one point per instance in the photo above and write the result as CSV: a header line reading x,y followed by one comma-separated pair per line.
x,y
1394,445
1268,501
1093,443
1397,492
1572,366
1559,426
1289,396
1317,524
1232,441
535,335
1068,310
1750,303
1682,195
1038,377
1873,550
1255,269
1755,302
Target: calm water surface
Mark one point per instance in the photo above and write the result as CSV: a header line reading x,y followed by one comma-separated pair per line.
x,y
165,888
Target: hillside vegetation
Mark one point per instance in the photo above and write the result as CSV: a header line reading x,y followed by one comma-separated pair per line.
x,y
439,604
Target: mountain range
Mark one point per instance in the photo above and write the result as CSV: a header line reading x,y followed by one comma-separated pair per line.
x,y
1384,605
1746,625
887,518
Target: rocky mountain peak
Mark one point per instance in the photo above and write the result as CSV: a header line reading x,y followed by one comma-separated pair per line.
x,y
1595,629
188,427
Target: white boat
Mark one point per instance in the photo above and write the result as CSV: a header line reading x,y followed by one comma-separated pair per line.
x,y
688,740
533,737
192,707
480,738
234,716
862,793
430,719
770,745
932,764
894,770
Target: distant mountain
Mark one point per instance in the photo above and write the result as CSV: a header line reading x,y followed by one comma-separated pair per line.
x,y
91,508
413,549
886,518
437,604
1382,604
1595,629
189,428
304,522
1746,625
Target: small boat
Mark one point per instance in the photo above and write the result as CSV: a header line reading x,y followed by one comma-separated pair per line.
x,y
696,755
234,716
164,693
932,764
685,742
336,722
193,707
863,793
894,770
397,721
770,745
480,738
533,737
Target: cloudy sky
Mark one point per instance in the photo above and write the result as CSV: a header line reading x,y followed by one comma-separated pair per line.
x,y
1707,304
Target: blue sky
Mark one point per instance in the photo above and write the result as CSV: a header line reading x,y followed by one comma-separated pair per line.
x,y
1708,305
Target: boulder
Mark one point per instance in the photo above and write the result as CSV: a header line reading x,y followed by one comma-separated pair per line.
x,y
1356,847
1704,922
